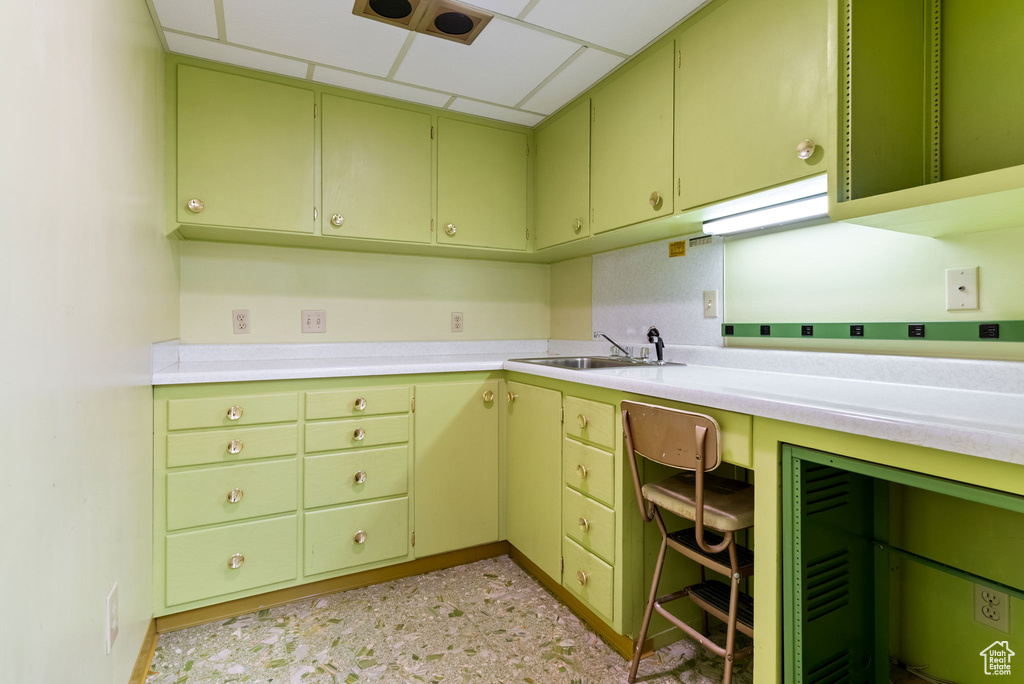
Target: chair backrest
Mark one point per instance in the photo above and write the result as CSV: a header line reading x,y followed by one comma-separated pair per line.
x,y
671,437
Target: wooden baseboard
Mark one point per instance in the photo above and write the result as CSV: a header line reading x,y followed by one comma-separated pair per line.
x,y
145,658
249,604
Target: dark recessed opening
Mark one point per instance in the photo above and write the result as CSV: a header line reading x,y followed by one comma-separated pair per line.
x,y
453,23
392,9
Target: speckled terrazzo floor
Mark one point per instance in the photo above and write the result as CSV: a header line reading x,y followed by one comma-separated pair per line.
x,y
484,622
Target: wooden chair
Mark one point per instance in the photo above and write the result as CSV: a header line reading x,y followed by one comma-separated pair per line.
x,y
691,442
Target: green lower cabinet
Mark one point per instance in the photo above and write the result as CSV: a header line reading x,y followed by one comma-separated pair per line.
x,y
589,578
352,536
533,475
456,472
589,524
354,476
357,433
230,493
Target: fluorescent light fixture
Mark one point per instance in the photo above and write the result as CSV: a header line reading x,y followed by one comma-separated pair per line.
x,y
791,203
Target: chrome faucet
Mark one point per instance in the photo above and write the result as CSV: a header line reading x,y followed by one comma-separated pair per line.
x,y
625,350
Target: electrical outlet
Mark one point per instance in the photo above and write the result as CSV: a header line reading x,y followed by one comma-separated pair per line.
x,y
112,621
240,320
992,608
710,303
314,321
457,321
961,289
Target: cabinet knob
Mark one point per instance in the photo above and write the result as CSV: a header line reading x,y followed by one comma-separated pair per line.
x,y
655,199
584,524
235,446
195,205
337,220
511,397
449,229
236,561
235,495
359,404
359,434
488,396
360,477
581,577
234,413
577,226
805,149
582,470
360,537
582,421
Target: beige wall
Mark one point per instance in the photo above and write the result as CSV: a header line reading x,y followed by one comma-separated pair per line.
x,y
572,314
367,297
88,282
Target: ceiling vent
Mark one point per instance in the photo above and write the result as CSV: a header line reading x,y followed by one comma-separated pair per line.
x,y
439,18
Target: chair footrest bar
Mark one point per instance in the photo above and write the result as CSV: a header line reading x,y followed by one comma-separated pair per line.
x,y
713,596
687,539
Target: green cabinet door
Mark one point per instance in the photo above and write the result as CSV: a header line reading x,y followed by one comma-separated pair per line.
x,y
456,471
534,475
481,185
631,144
563,178
245,152
376,171
747,96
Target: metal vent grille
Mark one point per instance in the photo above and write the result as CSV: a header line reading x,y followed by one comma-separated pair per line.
x,y
825,489
827,585
835,670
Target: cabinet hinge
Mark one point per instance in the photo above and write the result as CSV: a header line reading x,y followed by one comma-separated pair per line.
x,y
431,132
527,149
593,114
591,214
315,112
316,214
679,59
527,234
414,539
563,566
563,420
431,226
413,407
679,186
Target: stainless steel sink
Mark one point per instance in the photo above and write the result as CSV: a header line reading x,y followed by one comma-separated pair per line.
x,y
589,362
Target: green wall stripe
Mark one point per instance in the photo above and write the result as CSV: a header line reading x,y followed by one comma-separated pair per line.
x,y
946,331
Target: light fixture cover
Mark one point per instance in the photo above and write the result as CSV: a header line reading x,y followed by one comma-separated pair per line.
x,y
800,201
458,23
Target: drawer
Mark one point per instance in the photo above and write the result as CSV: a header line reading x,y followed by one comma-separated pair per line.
x,y
357,433
589,578
356,476
358,402
590,421
215,446
202,497
596,477
183,414
198,562
597,533
333,535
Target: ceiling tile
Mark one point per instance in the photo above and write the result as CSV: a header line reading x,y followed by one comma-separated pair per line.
x,y
323,31
510,8
579,75
506,62
344,79
191,16
495,112
229,54
620,26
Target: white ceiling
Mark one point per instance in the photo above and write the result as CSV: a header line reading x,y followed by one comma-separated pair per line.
x,y
532,58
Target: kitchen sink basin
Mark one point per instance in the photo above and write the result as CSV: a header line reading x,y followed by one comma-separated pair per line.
x,y
589,362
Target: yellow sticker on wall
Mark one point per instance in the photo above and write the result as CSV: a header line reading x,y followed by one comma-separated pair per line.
x,y
677,248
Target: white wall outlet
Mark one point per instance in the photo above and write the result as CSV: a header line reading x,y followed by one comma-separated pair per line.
x,y
961,289
314,321
240,320
992,608
112,621
710,303
457,321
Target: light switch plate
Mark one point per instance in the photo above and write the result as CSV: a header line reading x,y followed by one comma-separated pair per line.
x,y
314,321
710,303
961,289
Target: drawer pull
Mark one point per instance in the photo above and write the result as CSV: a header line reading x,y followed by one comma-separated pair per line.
x,y
805,150
488,396
360,537
582,470
655,199
360,477
583,421
195,205
577,226
236,561
584,525
359,434
235,495
360,404
512,397
581,577
235,446
337,220
234,413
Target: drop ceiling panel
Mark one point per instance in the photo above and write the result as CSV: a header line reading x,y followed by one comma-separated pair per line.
x,y
229,54
621,26
506,62
495,112
344,79
510,8
589,67
191,16
323,31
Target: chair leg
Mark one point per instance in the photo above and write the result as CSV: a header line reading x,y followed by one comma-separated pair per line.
x,y
638,651
730,634
703,613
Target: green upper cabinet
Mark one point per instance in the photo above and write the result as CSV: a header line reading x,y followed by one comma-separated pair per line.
x,y
631,173
481,185
534,475
376,171
747,96
563,178
245,152
456,471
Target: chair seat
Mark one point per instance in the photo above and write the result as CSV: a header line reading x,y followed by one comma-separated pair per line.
x,y
728,504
